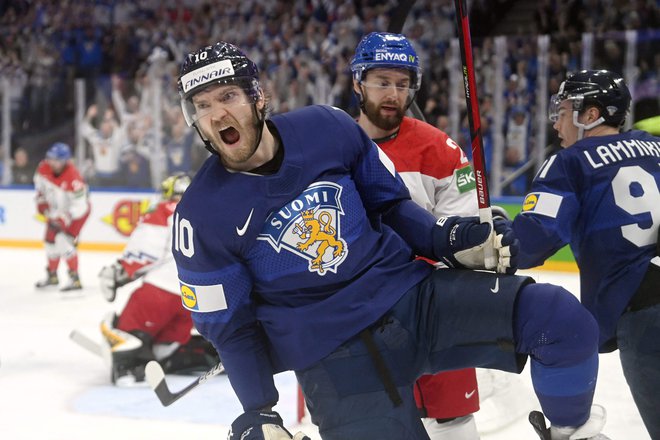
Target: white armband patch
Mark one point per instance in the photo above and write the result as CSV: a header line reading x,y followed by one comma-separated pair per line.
x,y
203,298
542,203
385,160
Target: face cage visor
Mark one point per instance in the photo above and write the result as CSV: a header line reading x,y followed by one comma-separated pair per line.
x,y
221,94
577,102
377,87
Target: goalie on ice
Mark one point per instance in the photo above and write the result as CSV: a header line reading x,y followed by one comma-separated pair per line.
x,y
152,325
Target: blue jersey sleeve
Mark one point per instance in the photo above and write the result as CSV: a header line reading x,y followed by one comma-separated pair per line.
x,y
549,213
216,287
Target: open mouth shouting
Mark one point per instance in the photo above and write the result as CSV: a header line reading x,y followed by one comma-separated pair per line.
x,y
230,136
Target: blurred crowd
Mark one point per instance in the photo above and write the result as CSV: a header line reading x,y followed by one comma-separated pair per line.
x,y
302,48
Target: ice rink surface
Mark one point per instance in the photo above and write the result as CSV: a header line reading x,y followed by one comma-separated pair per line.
x,y
52,389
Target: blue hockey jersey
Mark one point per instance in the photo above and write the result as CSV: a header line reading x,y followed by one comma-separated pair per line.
x,y
281,269
601,196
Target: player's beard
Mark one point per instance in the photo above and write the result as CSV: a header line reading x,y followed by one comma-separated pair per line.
x,y
387,123
235,157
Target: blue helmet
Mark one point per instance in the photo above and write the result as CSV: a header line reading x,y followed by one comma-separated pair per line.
x,y
59,151
386,50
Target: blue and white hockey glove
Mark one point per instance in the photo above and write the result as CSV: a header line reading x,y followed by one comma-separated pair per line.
x,y
261,425
461,242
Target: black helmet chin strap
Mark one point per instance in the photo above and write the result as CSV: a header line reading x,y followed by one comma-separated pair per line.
x,y
207,143
261,120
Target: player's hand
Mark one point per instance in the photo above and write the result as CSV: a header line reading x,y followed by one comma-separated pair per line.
x,y
498,211
506,245
42,208
261,425
58,224
463,242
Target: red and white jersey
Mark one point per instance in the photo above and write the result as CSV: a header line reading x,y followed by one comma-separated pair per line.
x,y
149,248
440,179
65,194
434,168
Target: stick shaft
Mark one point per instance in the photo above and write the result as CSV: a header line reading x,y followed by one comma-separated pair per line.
x,y
472,101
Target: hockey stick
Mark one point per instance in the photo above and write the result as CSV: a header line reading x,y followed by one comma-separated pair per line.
x,y
478,157
156,379
85,342
399,16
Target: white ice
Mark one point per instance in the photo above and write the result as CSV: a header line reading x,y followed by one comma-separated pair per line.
x,y
52,389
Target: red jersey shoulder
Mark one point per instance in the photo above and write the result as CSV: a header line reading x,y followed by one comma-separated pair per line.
x,y
161,212
69,180
421,147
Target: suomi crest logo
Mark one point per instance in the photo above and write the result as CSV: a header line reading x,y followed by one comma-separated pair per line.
x,y
310,227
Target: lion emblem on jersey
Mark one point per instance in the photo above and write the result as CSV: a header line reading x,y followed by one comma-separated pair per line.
x,y
309,226
318,230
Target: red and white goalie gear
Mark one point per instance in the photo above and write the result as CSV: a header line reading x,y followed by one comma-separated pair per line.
x,y
158,313
434,168
148,250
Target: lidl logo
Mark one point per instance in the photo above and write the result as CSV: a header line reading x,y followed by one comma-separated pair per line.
x,y
530,202
188,297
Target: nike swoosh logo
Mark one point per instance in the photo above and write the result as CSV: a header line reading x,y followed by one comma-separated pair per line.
x,y
242,230
470,394
497,286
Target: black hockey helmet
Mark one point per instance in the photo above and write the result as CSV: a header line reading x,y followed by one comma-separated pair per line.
x,y
601,88
220,63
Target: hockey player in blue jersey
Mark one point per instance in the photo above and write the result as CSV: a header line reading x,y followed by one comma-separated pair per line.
x,y
295,248
601,195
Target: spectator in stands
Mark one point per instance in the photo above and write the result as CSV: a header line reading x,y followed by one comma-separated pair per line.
x,y
515,151
178,147
22,169
106,143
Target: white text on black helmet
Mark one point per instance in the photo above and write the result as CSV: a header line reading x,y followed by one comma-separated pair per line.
x,y
206,74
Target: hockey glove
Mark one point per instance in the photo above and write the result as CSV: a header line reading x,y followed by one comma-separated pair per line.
x,y
461,242
261,425
42,208
57,224
111,278
498,212
506,246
